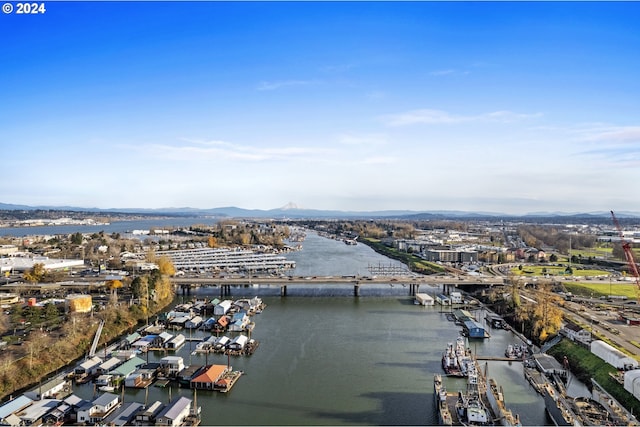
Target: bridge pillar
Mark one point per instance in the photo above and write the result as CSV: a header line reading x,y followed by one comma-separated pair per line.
x,y
283,290
225,290
356,290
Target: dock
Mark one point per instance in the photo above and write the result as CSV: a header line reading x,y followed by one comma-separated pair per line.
x,y
226,382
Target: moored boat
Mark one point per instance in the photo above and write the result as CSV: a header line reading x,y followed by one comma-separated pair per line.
x,y
450,363
469,407
440,398
495,397
556,407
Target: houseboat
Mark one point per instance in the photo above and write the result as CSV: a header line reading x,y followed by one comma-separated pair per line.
x,y
175,343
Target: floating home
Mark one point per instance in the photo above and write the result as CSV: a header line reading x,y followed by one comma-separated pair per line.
x,y
171,365
473,329
424,299
208,376
96,411
222,308
124,415
238,343
174,413
177,342
443,299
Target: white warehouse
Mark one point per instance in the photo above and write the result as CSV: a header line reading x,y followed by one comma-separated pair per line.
x,y
613,356
632,382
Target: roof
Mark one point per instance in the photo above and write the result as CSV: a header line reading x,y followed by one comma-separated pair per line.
x,y
153,409
173,409
39,409
573,326
211,374
110,363
14,405
105,399
74,400
123,416
547,363
90,363
48,386
129,366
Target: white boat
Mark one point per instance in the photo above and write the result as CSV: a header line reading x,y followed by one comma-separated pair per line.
x,y
105,383
469,407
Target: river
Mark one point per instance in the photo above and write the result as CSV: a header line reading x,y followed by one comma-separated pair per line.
x,y
334,359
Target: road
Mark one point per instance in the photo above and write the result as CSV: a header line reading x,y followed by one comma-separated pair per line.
x,y
337,280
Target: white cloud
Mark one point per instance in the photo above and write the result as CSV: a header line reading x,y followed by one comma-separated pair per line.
x,y
378,160
615,134
429,116
616,145
216,150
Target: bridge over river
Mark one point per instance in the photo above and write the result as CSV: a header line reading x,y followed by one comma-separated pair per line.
x,y
225,284
412,282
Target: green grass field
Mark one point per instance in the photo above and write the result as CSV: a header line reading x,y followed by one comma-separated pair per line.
x,y
598,289
541,270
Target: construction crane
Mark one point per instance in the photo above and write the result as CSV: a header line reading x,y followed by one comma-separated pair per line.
x,y
628,253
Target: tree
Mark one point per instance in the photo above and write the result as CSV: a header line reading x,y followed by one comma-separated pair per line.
x,y
50,312
76,238
113,286
165,265
36,274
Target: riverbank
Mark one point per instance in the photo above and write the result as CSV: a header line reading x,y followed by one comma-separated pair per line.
x,y
414,263
47,354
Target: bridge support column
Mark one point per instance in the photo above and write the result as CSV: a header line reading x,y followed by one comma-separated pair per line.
x,y
413,288
225,290
283,290
356,290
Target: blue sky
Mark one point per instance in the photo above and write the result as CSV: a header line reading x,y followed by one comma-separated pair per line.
x,y
507,107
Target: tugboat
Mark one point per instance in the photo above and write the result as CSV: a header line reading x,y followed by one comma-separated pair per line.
x,y
515,351
450,361
440,397
469,407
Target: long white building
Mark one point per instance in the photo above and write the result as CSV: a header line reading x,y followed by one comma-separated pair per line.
x,y
224,259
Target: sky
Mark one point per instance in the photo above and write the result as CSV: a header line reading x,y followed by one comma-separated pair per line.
x,y
510,107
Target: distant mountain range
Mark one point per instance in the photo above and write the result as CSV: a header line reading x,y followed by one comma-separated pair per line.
x,y
291,210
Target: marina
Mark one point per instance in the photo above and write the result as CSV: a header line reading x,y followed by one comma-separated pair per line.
x,y
387,334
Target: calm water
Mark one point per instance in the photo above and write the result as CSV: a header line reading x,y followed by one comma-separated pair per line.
x,y
338,360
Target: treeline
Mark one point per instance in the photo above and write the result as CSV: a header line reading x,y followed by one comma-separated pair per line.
x,y
240,233
537,321
537,236
44,353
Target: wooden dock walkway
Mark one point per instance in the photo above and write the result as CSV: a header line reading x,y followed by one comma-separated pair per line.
x,y
498,358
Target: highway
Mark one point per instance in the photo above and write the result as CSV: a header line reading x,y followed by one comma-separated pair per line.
x,y
341,280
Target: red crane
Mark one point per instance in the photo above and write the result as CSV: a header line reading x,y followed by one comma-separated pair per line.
x,y
628,253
